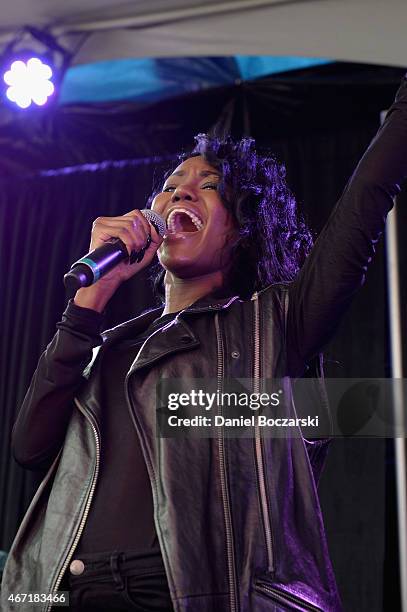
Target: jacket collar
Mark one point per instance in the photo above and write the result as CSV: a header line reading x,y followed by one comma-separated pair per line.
x,y
218,300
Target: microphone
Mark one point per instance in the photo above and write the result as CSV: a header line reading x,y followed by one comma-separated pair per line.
x,y
87,270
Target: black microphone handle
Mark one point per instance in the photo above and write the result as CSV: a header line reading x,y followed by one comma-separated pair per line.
x,y
87,270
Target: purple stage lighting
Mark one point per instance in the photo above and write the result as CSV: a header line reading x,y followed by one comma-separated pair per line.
x,y
29,82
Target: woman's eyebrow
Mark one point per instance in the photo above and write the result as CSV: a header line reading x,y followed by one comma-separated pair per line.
x,y
203,173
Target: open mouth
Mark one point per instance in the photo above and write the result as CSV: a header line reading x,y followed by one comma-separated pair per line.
x,y
183,220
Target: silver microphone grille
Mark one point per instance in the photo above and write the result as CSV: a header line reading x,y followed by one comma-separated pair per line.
x,y
155,219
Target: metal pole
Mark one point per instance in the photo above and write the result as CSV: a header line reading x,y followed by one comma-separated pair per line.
x,y
393,296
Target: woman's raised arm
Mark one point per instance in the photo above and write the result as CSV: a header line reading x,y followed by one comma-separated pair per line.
x,y
337,265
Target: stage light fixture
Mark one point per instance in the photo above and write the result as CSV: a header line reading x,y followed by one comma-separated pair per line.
x,y
32,67
29,82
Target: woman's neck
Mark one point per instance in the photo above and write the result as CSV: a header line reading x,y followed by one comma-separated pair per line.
x,y
182,292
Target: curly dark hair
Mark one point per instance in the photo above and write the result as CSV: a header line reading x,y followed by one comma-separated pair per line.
x,y
274,238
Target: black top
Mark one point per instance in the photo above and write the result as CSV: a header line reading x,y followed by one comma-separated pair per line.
x,y
121,515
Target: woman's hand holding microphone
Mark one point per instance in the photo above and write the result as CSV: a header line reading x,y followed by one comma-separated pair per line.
x,y
136,233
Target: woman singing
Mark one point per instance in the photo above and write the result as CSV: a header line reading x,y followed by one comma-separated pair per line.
x,y
128,520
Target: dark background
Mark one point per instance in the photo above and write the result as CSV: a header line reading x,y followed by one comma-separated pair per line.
x,y
61,169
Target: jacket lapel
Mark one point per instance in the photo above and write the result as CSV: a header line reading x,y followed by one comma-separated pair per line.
x,y
174,337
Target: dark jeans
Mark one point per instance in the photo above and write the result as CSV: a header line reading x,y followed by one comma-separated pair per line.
x,y
120,582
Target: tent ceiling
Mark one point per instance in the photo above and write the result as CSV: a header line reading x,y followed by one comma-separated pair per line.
x,y
45,12
369,31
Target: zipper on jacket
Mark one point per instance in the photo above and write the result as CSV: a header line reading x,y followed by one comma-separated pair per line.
x,y
223,480
138,429
87,503
258,442
133,413
286,598
150,467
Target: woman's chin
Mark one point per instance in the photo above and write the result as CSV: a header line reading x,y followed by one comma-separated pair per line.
x,y
177,263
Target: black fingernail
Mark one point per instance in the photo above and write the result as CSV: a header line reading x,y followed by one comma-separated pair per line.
x,y
141,255
133,257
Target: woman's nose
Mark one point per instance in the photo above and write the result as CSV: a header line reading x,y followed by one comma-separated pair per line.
x,y
182,192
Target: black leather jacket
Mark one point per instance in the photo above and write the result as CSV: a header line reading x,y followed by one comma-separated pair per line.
x,y
238,520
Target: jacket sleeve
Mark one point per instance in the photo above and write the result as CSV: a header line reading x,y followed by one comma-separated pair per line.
x,y
40,428
337,265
